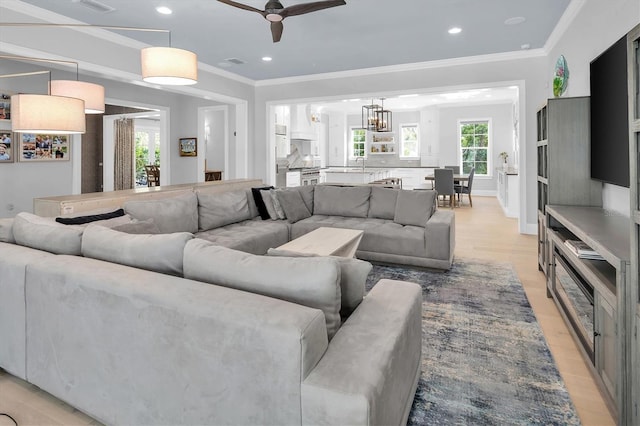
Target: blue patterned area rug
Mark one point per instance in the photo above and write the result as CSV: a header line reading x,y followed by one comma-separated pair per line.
x,y
484,357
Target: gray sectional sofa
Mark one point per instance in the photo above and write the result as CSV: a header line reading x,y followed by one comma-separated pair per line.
x,y
165,328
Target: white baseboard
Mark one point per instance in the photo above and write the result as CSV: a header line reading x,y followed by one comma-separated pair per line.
x,y
485,193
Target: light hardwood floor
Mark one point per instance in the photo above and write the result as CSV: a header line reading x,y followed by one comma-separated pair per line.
x,y
482,232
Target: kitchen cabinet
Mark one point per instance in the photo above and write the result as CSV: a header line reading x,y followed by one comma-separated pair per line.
x,y
293,178
354,175
411,177
509,192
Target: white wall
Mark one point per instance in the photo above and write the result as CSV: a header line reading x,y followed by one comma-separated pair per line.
x,y
501,138
597,26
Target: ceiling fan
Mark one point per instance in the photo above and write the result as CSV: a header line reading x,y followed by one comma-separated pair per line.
x,y
275,13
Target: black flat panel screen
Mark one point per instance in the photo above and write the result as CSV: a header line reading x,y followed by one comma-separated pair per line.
x,y
609,116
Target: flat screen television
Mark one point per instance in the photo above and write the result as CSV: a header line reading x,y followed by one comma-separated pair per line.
x,y
609,116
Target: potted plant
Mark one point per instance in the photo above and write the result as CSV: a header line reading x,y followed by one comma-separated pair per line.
x,y
504,157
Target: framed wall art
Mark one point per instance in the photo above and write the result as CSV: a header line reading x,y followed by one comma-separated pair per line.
x,y
5,106
6,146
188,147
42,147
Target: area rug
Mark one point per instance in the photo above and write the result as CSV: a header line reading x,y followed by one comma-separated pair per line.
x,y
484,357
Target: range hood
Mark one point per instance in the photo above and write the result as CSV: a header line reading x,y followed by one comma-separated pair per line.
x,y
301,126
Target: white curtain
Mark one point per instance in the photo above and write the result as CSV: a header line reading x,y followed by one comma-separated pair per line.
x,y
124,136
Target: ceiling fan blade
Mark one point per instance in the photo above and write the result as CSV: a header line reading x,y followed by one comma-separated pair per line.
x,y
276,31
301,9
242,6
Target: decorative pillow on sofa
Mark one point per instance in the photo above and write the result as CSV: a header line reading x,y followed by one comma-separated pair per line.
x,y
267,199
353,277
138,227
160,253
257,198
276,205
88,218
6,230
44,233
292,204
222,208
415,207
307,191
173,214
341,201
312,282
383,203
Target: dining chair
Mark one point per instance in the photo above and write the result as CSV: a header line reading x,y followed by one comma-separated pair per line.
x,y
456,169
153,175
444,184
466,189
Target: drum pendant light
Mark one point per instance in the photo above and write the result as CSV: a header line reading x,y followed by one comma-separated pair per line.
x,y
169,66
47,114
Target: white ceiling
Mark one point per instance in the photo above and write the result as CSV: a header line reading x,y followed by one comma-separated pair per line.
x,y
361,34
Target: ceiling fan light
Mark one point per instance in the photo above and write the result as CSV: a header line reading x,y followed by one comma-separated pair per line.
x,y
47,114
169,66
91,94
273,17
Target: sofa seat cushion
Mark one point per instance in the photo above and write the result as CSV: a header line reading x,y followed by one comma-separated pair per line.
x,y
252,236
308,281
173,214
380,235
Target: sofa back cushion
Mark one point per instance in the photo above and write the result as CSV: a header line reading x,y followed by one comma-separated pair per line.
x,y
415,207
292,204
306,191
222,208
160,253
6,230
383,203
308,281
44,233
353,278
341,201
173,214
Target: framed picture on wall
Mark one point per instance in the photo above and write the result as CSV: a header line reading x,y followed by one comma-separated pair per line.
x,y
42,147
6,146
188,147
5,106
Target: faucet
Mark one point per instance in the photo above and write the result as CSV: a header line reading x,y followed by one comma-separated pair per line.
x,y
360,158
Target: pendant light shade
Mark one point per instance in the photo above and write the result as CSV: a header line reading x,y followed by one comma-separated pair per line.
x,y
91,94
170,66
47,114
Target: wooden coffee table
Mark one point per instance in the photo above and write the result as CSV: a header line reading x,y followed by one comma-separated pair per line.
x,y
326,242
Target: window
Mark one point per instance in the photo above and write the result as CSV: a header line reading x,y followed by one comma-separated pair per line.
x,y
147,151
474,146
357,146
409,141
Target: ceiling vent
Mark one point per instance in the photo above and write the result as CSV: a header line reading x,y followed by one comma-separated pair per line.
x,y
235,61
96,6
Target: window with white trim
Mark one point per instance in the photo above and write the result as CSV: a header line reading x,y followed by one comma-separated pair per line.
x,y
409,141
474,145
357,142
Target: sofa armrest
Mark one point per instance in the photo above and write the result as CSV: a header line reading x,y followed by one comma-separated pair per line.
x,y
440,235
368,376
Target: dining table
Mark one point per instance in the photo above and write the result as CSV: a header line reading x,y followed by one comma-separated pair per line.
x,y
456,178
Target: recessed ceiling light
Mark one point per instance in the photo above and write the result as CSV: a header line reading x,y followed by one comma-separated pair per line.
x,y
455,30
515,20
408,96
267,58
164,10
525,46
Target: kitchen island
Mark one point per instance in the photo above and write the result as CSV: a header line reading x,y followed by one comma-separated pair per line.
x,y
354,174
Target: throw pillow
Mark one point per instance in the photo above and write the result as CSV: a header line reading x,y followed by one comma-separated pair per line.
x,y
276,205
257,197
44,233
222,208
312,282
80,220
138,227
268,203
293,205
160,253
173,214
353,277
414,207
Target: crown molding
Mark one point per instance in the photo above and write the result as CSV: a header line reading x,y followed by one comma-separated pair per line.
x,y
563,24
417,66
